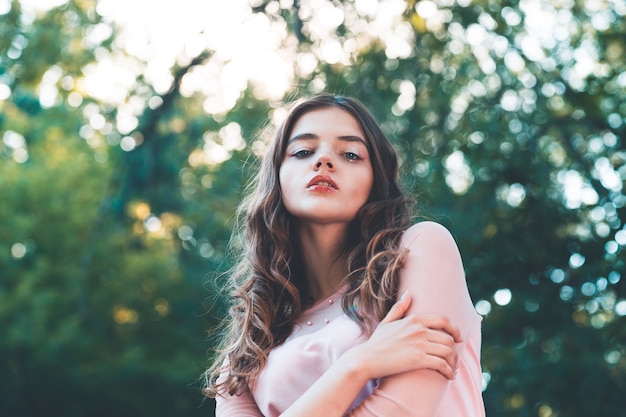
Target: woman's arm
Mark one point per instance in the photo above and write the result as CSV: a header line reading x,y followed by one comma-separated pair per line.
x,y
242,405
237,406
433,274
424,342
415,347
415,350
397,345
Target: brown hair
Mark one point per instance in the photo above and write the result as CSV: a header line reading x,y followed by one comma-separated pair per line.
x,y
267,285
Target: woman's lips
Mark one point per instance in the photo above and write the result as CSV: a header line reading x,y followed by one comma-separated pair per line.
x,y
322,182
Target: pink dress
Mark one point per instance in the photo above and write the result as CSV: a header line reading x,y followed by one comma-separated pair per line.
x,y
433,274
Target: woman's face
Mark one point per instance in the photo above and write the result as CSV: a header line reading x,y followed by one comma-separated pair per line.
x,y
326,175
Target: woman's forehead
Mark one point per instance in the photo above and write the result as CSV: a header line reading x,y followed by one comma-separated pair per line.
x,y
326,121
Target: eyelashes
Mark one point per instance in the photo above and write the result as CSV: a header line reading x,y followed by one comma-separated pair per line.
x,y
304,153
301,154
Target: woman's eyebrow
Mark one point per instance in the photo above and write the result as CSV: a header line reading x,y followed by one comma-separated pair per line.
x,y
303,136
351,138
313,136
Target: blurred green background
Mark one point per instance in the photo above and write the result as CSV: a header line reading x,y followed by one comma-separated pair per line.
x,y
129,128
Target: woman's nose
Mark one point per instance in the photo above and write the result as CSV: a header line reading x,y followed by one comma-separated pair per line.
x,y
324,161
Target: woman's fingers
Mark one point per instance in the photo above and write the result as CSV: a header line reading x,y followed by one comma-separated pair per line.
x,y
431,321
437,322
419,341
436,363
399,309
444,354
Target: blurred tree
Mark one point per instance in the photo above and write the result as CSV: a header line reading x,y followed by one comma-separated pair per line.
x,y
118,193
100,312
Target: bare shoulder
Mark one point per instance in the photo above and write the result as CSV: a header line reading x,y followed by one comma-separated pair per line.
x,y
427,233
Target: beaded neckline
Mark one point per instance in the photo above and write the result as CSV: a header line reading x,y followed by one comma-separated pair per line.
x,y
308,316
330,301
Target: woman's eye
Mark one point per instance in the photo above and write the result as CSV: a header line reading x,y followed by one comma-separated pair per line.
x,y
351,156
302,153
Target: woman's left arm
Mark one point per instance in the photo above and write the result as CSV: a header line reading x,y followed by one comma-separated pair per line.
x,y
433,274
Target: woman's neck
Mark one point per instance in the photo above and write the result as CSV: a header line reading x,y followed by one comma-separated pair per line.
x,y
324,261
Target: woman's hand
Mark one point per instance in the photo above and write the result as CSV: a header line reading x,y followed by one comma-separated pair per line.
x,y
401,344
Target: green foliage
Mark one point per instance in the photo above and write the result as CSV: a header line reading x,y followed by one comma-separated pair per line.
x,y
112,239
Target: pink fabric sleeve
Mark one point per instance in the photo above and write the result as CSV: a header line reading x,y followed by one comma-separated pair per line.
x,y
241,405
237,406
434,276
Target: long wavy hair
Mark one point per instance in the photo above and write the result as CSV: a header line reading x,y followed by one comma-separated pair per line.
x,y
268,290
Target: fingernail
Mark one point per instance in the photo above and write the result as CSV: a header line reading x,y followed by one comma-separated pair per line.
x,y
406,292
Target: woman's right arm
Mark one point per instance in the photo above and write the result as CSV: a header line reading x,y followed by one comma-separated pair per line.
x,y
397,345
237,406
242,405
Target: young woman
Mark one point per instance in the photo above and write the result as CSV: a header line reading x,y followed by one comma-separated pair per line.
x,y
340,305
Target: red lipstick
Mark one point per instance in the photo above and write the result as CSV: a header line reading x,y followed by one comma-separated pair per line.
x,y
322,183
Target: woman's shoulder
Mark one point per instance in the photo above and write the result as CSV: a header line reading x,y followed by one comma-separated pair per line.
x,y
427,233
